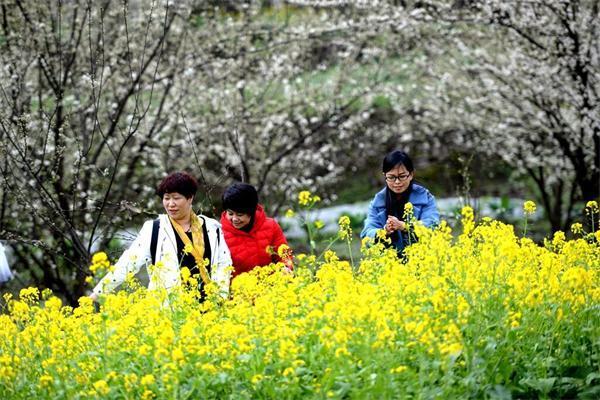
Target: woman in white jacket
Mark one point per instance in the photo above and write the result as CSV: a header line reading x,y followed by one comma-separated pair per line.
x,y
177,239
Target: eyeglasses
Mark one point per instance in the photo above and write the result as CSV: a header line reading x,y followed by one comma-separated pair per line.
x,y
399,178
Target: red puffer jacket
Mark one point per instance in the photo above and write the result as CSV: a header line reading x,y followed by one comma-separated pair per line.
x,y
250,249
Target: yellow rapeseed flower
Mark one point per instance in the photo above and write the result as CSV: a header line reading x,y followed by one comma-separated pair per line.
x,y
467,219
30,294
188,248
399,369
342,351
284,251
304,198
559,238
101,387
256,379
185,274
46,380
345,231
408,208
99,258
529,207
591,207
147,380
577,228
421,303
211,369
307,199
178,355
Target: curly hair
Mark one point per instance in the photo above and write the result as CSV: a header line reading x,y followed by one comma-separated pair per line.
x,y
178,182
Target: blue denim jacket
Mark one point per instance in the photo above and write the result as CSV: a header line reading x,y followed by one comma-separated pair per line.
x,y
425,210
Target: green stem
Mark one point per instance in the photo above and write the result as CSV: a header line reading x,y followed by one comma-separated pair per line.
x,y
326,248
311,242
350,252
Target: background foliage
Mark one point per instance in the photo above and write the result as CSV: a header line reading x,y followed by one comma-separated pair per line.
x,y
98,100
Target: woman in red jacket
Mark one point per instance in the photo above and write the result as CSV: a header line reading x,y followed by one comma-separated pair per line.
x,y
253,238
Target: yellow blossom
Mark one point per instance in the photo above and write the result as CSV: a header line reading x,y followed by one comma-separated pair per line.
x,y
467,220
529,207
46,380
415,308
284,251
559,238
408,211
101,387
188,248
185,273
99,258
178,355
147,380
341,351
591,207
211,369
307,199
399,369
345,230
577,228
304,198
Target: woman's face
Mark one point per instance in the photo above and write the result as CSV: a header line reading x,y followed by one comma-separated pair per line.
x,y
238,220
398,179
177,205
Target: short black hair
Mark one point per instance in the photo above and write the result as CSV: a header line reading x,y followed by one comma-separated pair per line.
x,y
240,197
178,182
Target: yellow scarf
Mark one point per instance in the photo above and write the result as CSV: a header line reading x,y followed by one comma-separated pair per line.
x,y
197,245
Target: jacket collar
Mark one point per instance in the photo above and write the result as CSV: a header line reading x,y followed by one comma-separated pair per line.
x,y
165,225
418,196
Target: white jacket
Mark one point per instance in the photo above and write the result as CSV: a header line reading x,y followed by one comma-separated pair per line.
x,y
167,275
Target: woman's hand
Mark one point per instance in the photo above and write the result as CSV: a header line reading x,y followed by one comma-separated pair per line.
x,y
93,296
393,224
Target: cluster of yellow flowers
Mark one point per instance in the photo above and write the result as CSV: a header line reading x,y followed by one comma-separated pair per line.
x,y
345,232
591,207
463,315
100,262
307,199
529,207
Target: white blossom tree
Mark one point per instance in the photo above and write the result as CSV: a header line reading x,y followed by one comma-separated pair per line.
x,y
520,80
85,88
98,100
517,80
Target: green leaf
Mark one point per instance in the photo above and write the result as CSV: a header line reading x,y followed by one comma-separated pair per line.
x,y
591,377
543,385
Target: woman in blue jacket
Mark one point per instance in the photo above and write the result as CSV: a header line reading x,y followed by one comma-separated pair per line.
x,y
386,211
